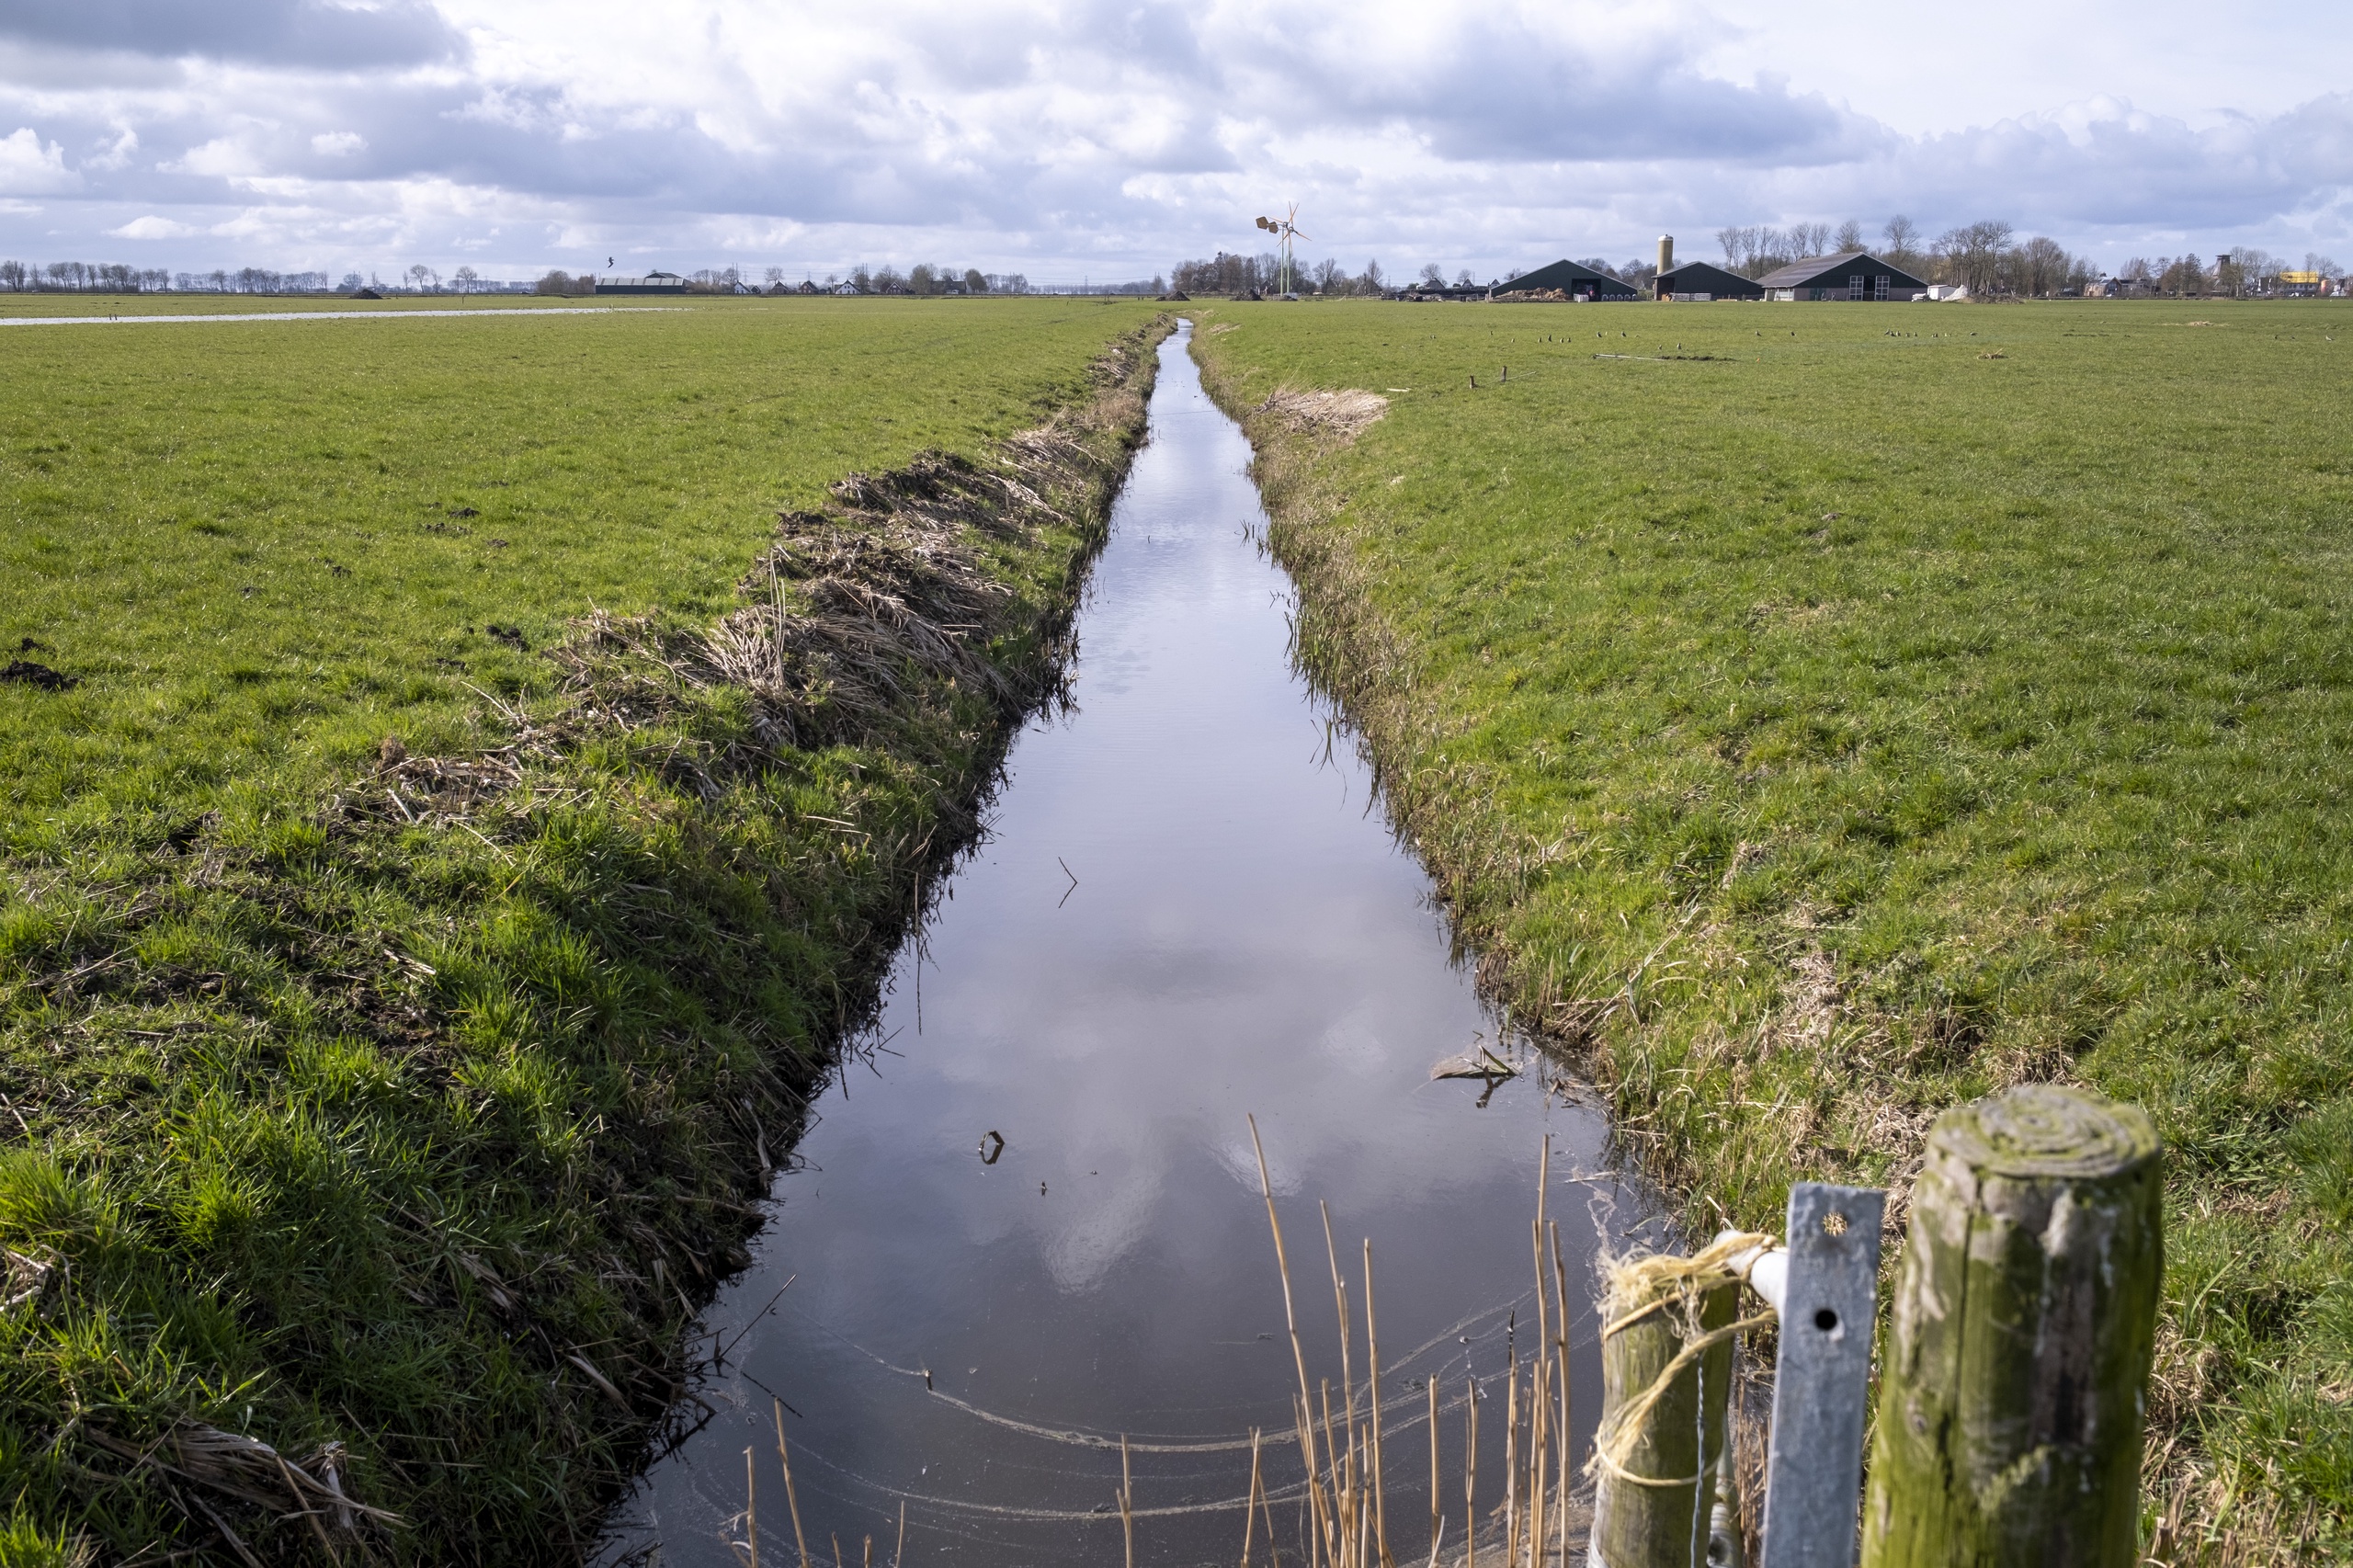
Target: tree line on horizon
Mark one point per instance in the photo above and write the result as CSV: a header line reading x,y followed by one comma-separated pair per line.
x,y
1986,257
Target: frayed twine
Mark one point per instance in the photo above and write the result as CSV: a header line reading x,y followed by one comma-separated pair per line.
x,y
1634,1289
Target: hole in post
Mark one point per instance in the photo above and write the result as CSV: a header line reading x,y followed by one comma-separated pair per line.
x,y
1834,1224
1825,1320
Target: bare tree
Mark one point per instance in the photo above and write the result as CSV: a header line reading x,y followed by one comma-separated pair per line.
x,y
1849,236
1972,254
1901,235
2039,268
466,277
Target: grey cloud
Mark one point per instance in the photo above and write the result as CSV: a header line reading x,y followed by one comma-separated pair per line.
x,y
1499,139
277,33
2121,171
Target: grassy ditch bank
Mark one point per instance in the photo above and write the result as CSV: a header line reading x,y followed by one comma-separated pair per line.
x,y
1818,715
462,778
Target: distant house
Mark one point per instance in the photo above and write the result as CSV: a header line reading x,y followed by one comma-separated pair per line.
x,y
1849,275
651,283
1702,281
1572,278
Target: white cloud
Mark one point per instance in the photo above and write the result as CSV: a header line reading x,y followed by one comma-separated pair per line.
x,y
117,153
154,228
29,167
1113,136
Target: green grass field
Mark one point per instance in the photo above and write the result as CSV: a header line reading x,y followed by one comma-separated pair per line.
x,y
412,1123
1829,713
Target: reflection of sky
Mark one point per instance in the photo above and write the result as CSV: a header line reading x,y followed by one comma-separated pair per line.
x,y
1243,937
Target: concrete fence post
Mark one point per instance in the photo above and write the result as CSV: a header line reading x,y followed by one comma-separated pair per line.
x,y
1828,1301
2016,1374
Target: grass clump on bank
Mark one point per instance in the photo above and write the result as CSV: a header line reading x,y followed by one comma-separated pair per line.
x,y
459,822
1826,714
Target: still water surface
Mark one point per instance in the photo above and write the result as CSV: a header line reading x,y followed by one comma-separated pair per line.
x,y
1185,912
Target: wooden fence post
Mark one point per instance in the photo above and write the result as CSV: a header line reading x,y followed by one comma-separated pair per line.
x,y
2025,1314
1652,1503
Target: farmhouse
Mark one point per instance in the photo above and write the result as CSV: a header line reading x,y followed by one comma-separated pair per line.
x,y
651,283
1849,275
1700,280
1578,281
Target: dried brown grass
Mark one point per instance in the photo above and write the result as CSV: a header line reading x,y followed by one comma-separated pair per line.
x,y
1345,414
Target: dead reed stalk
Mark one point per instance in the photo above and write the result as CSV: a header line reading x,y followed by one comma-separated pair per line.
x,y
792,1500
1249,1508
1470,1478
1290,1322
1438,1514
1127,1502
751,1508
1373,1358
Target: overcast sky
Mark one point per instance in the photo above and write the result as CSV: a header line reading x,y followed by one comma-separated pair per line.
x,y
1110,138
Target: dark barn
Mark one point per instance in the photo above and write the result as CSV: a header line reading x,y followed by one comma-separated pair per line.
x,y
1570,277
651,283
1704,280
1849,275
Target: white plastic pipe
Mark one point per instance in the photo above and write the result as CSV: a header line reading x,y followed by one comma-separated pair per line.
x,y
1768,1270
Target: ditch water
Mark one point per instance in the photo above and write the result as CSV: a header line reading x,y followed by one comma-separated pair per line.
x,y
1188,908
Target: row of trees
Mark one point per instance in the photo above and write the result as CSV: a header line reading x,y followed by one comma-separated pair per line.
x,y
109,278
1231,274
924,277
1986,257
82,277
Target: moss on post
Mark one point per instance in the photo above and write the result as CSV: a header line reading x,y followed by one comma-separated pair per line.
x,y
1656,1453
2012,1392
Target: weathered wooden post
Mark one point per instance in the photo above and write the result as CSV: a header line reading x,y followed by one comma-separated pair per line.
x,y
2025,1313
1665,1370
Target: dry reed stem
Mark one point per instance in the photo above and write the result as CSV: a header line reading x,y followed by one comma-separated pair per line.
x,y
1127,1502
1511,1455
1249,1517
1470,1480
751,1508
791,1499
1438,1514
1291,1320
1561,1342
1373,1358
899,1551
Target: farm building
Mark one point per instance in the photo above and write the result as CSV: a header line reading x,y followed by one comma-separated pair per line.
x,y
1849,275
651,283
1700,280
1572,278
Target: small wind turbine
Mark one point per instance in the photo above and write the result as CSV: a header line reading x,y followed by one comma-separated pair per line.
x,y
1285,228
